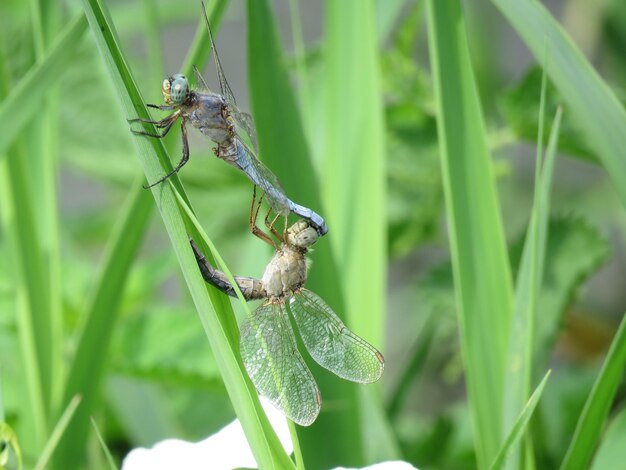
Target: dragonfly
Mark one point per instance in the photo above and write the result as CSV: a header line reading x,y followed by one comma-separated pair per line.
x,y
268,344
217,116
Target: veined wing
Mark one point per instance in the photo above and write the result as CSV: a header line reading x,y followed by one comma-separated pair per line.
x,y
243,120
330,343
263,177
270,355
200,82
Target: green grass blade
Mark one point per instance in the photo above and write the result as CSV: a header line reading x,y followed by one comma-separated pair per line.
x,y
520,425
100,318
219,324
104,446
102,311
33,315
480,262
26,96
354,165
284,149
354,176
595,108
591,421
612,453
9,442
529,279
56,434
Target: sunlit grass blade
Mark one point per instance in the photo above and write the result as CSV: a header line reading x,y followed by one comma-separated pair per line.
x,y
104,446
102,311
218,324
588,99
520,425
284,149
8,444
412,369
529,279
204,241
354,187
100,317
32,309
25,97
611,452
57,432
481,269
591,421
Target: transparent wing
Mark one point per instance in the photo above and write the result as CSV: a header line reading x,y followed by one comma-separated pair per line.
x,y
200,82
243,120
224,87
331,344
246,122
263,177
269,353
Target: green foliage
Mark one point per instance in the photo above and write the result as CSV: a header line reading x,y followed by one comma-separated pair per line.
x,y
403,154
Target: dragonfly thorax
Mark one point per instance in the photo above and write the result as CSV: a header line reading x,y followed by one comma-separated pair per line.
x,y
285,273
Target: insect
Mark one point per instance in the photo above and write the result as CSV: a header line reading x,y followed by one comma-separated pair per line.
x,y
217,116
268,345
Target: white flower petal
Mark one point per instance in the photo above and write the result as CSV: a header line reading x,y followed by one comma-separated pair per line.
x,y
224,450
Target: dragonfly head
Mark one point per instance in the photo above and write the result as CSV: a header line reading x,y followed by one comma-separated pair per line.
x,y
175,89
301,234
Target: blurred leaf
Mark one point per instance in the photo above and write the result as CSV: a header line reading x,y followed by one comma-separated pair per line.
x,y
520,425
103,444
574,250
480,263
216,315
149,346
612,453
519,370
520,108
414,184
588,99
598,403
9,447
25,97
284,149
53,440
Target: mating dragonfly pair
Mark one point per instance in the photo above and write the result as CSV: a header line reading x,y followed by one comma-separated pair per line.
x,y
268,345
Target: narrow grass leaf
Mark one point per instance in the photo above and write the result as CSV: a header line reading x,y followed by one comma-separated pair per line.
x,y
25,98
598,404
588,99
57,432
219,324
529,280
205,241
611,452
284,149
520,426
481,270
33,311
104,446
8,444
100,317
354,190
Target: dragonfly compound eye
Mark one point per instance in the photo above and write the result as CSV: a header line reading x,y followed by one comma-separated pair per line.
x,y
175,89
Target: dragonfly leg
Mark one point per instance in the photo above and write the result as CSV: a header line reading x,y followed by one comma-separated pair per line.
x,y
165,124
161,107
270,226
183,160
254,214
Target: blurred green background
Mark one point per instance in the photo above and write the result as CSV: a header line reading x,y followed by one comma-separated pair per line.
x,y
80,242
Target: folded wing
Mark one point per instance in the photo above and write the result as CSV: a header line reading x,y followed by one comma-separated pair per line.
x,y
330,343
272,360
